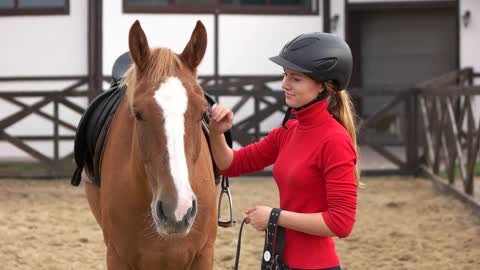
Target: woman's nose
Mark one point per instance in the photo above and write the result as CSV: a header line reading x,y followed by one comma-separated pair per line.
x,y
285,83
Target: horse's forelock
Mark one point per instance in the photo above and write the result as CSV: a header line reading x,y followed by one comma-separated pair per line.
x,y
163,64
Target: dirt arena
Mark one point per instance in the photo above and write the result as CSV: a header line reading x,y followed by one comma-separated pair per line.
x,y
403,223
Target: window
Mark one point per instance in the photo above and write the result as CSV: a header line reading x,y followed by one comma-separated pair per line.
x,y
33,7
222,6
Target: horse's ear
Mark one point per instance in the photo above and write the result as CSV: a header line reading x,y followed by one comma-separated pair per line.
x,y
195,49
138,44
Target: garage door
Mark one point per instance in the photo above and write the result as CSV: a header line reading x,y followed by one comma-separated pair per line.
x,y
400,48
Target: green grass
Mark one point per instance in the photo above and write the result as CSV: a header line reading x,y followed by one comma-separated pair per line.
x,y
456,171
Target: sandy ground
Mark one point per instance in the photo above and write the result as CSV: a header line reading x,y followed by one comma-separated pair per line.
x,y
403,223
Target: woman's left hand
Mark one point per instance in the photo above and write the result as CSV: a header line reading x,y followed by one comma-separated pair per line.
x,y
258,217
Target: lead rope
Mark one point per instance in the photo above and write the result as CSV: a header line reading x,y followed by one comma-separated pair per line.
x,y
274,244
239,244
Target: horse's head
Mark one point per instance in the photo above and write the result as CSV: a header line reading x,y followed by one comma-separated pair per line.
x,y
168,104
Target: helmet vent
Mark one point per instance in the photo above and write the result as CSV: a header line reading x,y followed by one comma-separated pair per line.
x,y
325,64
297,45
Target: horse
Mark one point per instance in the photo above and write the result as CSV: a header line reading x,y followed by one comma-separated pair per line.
x,y
157,198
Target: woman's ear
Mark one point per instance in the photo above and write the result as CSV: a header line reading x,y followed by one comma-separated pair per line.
x,y
321,87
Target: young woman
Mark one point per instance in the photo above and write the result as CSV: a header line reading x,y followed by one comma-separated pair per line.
x,y
314,155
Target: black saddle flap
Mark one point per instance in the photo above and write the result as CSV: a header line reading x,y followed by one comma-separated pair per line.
x,y
92,130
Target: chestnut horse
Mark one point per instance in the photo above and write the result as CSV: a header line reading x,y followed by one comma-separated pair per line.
x,y
156,203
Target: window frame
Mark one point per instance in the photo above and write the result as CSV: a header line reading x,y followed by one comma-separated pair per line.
x,y
19,11
219,8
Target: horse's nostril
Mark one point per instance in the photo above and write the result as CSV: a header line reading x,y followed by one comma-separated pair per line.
x,y
194,208
190,213
160,211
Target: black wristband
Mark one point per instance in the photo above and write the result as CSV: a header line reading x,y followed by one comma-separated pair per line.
x,y
270,234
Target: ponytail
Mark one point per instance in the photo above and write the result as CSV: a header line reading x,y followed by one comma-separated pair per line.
x,y
340,105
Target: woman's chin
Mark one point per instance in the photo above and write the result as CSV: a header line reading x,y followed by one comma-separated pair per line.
x,y
289,102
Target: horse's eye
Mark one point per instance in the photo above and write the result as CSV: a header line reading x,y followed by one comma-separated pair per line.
x,y
138,115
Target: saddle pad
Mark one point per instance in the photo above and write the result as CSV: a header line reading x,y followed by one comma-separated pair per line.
x,y
92,131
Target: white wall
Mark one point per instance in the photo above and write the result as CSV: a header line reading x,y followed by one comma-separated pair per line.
x,y
28,42
162,30
470,42
470,35
338,8
245,41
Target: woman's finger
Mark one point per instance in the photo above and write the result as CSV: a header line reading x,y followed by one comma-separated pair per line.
x,y
221,115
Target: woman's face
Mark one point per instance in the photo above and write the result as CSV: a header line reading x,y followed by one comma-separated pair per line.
x,y
299,88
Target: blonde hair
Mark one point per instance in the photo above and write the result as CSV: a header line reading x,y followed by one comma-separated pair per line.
x,y
340,105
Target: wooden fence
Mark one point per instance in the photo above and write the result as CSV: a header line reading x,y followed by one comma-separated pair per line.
x,y
438,130
451,135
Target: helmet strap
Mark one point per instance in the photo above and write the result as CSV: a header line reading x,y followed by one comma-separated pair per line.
x,y
320,96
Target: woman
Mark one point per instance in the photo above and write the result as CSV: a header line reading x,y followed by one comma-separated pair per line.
x,y
314,156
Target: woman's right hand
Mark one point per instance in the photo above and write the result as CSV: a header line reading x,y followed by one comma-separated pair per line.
x,y
221,119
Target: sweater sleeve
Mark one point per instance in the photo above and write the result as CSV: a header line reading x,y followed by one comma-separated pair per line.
x,y
256,156
338,160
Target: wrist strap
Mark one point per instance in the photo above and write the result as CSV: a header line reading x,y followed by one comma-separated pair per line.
x,y
274,243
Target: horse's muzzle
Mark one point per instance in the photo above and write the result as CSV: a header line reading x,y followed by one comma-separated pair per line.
x,y
168,222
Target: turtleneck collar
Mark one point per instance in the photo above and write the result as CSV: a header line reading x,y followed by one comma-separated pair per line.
x,y
312,115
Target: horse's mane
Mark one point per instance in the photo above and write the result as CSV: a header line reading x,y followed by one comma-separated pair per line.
x,y
162,64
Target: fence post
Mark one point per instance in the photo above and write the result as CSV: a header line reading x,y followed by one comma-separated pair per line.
x,y
411,108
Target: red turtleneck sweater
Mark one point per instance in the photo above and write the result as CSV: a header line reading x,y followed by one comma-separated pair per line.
x,y
315,172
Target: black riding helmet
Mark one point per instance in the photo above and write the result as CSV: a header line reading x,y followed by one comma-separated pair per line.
x,y
321,56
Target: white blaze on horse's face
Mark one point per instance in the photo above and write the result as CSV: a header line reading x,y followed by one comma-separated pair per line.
x,y
173,99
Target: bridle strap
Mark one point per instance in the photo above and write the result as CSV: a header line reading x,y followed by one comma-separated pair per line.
x,y
225,182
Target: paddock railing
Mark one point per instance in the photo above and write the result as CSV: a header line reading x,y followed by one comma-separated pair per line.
x,y
433,122
44,164
450,128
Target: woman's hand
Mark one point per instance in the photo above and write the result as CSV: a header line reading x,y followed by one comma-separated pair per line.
x,y
258,217
221,119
